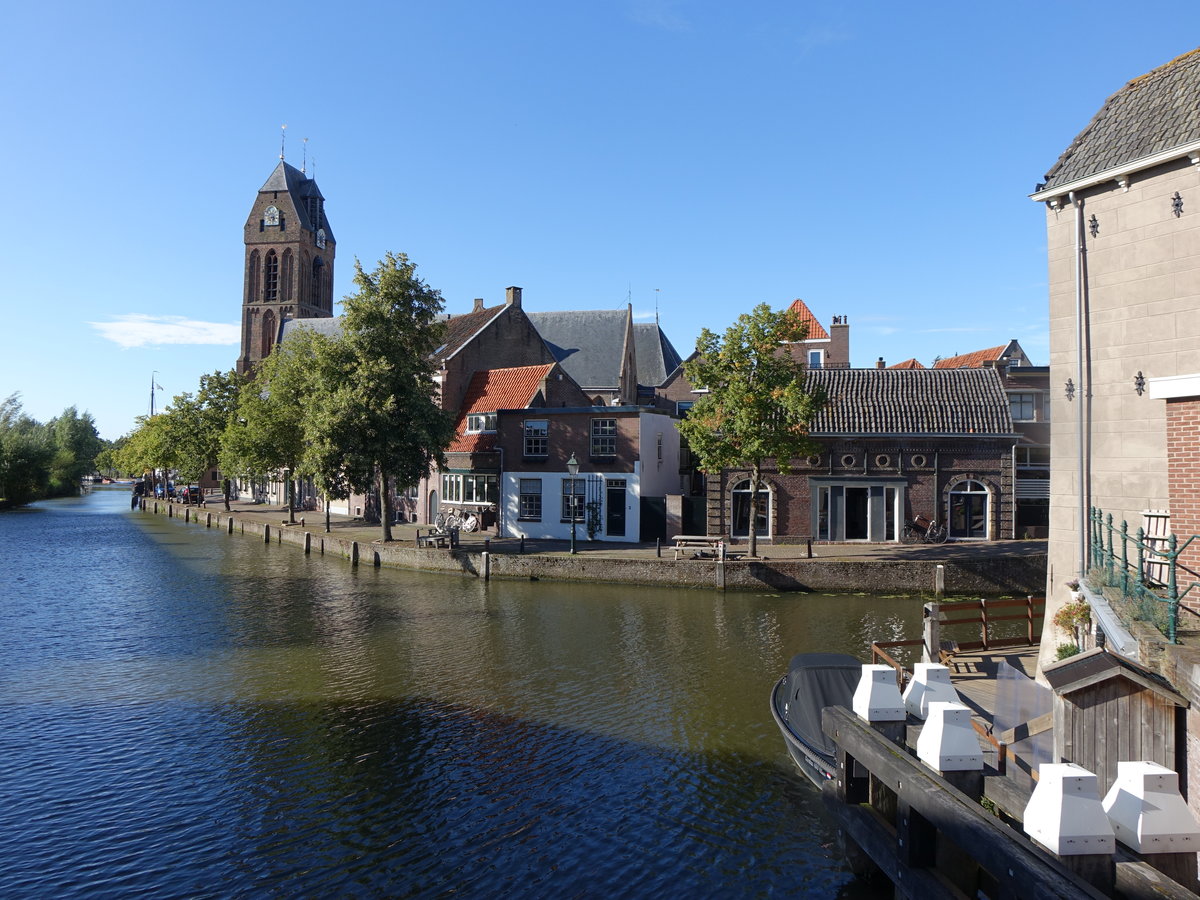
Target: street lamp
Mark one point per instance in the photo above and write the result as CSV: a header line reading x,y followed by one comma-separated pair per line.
x,y
573,468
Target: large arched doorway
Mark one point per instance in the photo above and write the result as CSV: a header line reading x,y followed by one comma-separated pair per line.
x,y
433,506
740,506
970,506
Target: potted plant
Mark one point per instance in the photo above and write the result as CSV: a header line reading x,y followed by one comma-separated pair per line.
x,y
1074,618
1076,593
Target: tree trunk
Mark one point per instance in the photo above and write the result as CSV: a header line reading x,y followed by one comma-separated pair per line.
x,y
755,480
225,486
385,505
327,514
291,499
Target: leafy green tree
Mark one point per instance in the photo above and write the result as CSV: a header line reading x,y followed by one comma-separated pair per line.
x,y
757,407
76,443
26,455
378,422
266,433
147,448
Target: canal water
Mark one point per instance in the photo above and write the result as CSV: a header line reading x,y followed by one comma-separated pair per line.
x,y
192,714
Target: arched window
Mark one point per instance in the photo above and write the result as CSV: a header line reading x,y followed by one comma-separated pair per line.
x,y
287,276
318,268
268,333
969,508
741,511
271,277
252,296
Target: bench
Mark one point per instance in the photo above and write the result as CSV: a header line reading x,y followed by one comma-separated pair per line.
x,y
433,538
706,543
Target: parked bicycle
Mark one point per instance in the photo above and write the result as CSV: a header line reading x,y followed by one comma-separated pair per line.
x,y
450,519
922,530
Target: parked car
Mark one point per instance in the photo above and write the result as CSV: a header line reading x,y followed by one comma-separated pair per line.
x,y
192,494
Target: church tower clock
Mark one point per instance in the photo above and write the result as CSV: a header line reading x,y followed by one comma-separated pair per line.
x,y
289,261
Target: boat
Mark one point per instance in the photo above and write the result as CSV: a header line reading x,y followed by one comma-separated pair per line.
x,y
813,682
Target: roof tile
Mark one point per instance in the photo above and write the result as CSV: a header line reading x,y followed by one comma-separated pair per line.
x,y
490,390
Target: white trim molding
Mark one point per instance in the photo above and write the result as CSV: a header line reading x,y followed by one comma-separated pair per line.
x,y
1173,387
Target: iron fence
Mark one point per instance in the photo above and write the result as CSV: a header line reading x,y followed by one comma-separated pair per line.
x,y
1144,568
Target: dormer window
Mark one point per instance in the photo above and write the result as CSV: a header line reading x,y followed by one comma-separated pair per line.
x,y
816,359
479,422
271,217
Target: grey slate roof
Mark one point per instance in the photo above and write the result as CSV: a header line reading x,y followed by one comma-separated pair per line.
x,y
588,344
301,187
327,325
912,402
1151,114
656,356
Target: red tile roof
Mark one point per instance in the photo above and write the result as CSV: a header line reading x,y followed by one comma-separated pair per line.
x,y
971,360
814,327
490,390
907,364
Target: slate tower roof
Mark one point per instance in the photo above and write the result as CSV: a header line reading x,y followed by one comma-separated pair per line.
x,y
302,189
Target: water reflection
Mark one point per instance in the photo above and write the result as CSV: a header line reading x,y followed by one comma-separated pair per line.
x,y
189,713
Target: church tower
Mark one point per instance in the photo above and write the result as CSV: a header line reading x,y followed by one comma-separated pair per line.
x,y
289,261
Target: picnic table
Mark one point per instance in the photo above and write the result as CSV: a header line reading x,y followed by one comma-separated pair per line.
x,y
433,538
705,543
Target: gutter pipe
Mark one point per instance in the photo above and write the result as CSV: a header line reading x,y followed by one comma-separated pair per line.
x,y
1084,393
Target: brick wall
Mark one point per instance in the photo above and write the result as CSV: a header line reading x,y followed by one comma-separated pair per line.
x,y
1183,474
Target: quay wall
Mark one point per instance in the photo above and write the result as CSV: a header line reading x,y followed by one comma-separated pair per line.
x,y
990,576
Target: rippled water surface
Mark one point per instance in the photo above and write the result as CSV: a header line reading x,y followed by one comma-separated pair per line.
x,y
191,714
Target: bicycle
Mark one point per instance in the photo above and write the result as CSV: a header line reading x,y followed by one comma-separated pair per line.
x,y
922,531
451,519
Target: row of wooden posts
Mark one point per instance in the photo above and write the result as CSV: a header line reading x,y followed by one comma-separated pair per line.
x,y
922,820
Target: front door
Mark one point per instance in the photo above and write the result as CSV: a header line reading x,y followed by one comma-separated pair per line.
x,y
857,518
615,507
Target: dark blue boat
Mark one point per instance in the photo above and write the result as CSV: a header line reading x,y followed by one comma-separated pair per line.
x,y
813,682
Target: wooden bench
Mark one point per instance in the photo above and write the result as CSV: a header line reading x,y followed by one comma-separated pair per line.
x,y
706,543
433,538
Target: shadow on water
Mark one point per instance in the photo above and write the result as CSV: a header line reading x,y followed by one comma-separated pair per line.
x,y
212,716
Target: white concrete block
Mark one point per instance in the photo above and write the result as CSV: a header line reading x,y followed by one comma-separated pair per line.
x,y
930,683
1065,815
877,697
1147,812
947,742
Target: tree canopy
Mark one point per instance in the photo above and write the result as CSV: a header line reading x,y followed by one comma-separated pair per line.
x,y
378,418
757,406
44,460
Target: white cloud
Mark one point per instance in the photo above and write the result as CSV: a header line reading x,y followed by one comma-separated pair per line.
x,y
139,330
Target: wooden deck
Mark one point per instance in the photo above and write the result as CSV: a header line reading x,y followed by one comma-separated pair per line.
x,y
974,675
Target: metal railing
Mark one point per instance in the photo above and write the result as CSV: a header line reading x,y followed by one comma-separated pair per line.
x,y
1145,569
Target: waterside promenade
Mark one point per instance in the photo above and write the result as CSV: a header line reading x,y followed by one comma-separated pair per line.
x,y
1007,567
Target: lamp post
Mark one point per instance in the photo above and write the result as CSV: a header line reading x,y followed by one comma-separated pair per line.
x,y
573,468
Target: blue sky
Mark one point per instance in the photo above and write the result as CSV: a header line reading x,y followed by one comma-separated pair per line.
x,y
874,159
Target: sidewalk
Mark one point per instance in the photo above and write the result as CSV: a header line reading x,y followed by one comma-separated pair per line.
x,y
405,534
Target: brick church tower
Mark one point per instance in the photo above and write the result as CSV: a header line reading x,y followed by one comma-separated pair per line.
x,y
289,261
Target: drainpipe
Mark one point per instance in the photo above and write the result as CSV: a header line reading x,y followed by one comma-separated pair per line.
x,y
1084,486
500,495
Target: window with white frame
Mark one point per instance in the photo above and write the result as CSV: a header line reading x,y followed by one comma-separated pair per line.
x,y
458,488
816,359
477,422
572,499
537,442
530,508
1023,407
604,437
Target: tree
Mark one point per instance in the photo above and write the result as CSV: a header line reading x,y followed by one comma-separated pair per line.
x,y
26,455
266,434
76,445
757,407
147,448
378,422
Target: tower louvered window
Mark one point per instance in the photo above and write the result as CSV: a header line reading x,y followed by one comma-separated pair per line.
x,y
271,277
287,276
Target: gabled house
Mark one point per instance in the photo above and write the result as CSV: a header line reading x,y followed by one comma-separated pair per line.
x,y
595,347
470,480
1123,243
628,461
895,443
1010,354
821,348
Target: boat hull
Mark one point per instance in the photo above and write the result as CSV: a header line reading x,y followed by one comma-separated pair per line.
x,y
809,760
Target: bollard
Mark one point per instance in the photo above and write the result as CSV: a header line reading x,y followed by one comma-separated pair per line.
x,y
308,542
487,545
939,581
302,521
266,534
877,700
1148,815
658,547
522,550
229,523
1065,816
354,553
948,745
809,548
487,565
208,520
931,682
931,646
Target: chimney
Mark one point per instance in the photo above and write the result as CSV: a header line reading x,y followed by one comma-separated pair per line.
x,y
478,304
512,297
879,363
